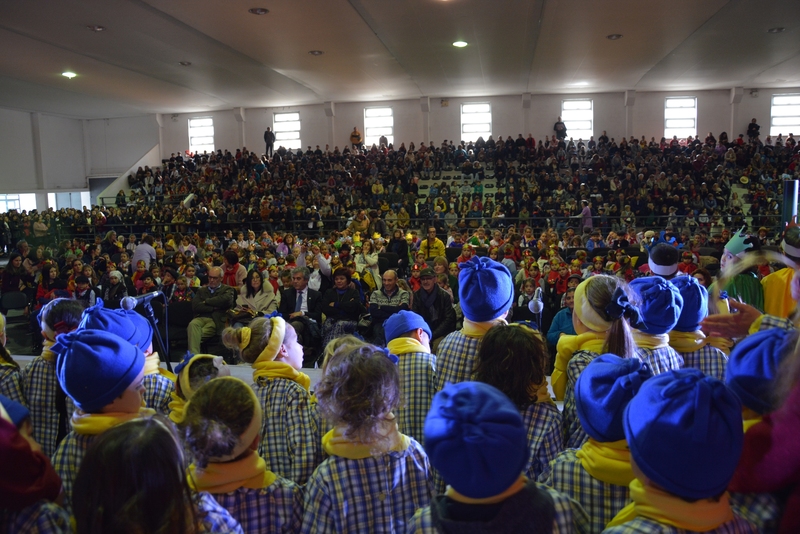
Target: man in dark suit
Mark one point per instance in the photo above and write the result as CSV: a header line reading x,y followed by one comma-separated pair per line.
x,y
301,307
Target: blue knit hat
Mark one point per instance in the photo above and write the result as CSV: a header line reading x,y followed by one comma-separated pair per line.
x,y
659,304
404,322
95,367
475,438
753,366
128,325
685,433
16,411
695,303
485,289
602,392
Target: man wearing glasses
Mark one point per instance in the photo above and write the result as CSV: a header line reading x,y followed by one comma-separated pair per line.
x,y
210,305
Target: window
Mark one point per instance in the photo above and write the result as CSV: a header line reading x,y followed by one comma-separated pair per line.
x,y
476,121
680,117
287,130
785,115
9,202
578,117
201,135
378,122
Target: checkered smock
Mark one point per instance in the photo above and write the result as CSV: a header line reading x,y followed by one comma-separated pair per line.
x,y
214,518
157,391
11,384
600,500
543,421
67,461
563,520
574,436
455,359
761,509
708,359
277,508
369,495
41,388
770,321
418,382
660,360
291,440
737,525
44,517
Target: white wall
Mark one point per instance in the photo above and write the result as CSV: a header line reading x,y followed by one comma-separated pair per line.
x,y
115,144
63,161
18,170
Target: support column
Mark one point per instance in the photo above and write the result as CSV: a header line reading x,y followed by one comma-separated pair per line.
x,y
736,99
238,113
38,160
425,106
630,100
160,122
526,114
87,156
330,113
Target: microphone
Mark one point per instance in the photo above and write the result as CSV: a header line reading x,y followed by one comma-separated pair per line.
x,y
129,303
536,305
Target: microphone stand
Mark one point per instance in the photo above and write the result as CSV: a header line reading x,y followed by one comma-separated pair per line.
x,y
163,355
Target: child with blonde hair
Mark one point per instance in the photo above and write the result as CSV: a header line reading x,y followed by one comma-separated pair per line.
x,y
290,434
375,477
194,371
221,427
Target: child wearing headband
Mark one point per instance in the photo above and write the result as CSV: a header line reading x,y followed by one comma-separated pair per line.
x,y
375,477
601,318
194,371
221,429
290,435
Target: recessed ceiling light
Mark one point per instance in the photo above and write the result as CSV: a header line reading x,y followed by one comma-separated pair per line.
x,y
614,36
460,44
579,84
778,29
96,28
316,52
184,63
258,10
68,74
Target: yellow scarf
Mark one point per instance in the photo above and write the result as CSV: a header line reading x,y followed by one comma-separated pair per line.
x,y
47,354
335,443
478,330
567,346
658,505
750,418
92,424
540,393
515,488
607,462
694,341
650,341
177,407
271,369
404,345
152,365
248,472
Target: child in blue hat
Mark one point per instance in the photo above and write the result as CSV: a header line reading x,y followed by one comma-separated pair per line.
x,y
103,374
660,305
475,437
598,473
685,435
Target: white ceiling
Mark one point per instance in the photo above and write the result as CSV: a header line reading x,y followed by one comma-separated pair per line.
x,y
378,50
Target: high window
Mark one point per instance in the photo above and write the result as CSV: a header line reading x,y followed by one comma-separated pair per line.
x,y
476,121
378,122
784,116
578,117
680,117
201,135
287,130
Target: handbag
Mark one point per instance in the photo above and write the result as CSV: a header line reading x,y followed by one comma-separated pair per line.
x,y
364,324
241,315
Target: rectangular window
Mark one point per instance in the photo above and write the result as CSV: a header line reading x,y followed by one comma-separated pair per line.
x,y
9,202
785,115
378,122
287,130
476,121
680,117
578,117
201,135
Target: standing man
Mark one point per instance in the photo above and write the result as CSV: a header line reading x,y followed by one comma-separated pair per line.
x,y
355,138
269,139
561,129
301,307
435,306
210,305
